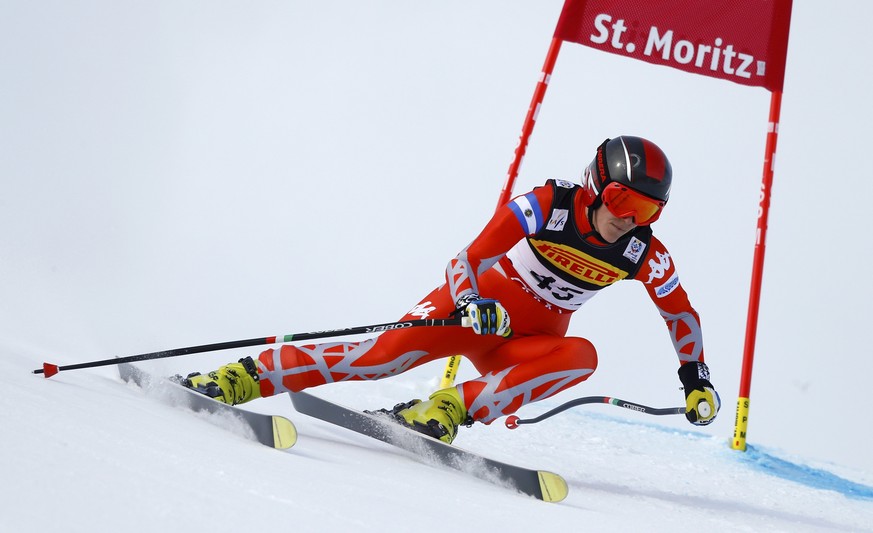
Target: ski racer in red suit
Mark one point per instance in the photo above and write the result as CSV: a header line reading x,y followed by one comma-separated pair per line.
x,y
538,260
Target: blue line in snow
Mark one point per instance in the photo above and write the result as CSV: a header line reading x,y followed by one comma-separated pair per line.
x,y
806,475
764,462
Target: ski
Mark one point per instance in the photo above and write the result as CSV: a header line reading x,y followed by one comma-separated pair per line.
x,y
540,484
274,431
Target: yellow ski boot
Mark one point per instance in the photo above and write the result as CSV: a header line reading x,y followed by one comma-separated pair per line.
x,y
438,416
233,384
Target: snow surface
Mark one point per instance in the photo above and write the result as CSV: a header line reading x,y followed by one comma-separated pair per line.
x,y
186,172
89,452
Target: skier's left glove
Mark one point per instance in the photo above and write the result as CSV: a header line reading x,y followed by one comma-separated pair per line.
x,y
701,401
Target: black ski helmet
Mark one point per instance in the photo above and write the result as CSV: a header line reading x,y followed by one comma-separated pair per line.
x,y
631,161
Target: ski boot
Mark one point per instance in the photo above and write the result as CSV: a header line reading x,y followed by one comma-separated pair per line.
x,y
438,417
233,384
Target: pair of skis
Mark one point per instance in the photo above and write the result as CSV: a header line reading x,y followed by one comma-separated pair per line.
x,y
279,432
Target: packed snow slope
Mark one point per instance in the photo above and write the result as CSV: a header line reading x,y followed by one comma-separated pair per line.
x,y
84,451
177,173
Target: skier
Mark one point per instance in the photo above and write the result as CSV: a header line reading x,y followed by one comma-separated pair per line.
x,y
538,259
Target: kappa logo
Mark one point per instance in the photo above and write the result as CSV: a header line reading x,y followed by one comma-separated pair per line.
x,y
634,250
422,310
578,264
659,267
559,218
565,184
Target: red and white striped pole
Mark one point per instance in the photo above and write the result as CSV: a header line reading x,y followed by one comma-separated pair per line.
x,y
451,370
530,121
742,418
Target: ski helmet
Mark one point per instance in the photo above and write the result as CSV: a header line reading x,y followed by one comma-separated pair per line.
x,y
632,162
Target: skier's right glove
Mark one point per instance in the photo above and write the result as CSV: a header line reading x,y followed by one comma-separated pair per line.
x,y
485,316
701,401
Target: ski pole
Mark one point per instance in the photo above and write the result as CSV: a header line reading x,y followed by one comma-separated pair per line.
x,y
49,369
513,421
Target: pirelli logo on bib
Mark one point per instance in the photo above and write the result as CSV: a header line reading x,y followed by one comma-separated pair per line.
x,y
578,264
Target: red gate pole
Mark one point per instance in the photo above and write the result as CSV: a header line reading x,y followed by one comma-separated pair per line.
x,y
530,120
451,370
742,417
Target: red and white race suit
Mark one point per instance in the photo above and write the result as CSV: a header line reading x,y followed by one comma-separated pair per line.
x,y
540,258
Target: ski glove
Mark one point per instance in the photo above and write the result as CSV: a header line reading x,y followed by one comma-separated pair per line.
x,y
485,316
701,401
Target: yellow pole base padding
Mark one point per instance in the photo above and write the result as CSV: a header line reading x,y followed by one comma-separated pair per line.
x,y
451,372
740,425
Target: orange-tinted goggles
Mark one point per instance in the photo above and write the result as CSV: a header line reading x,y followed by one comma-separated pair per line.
x,y
624,202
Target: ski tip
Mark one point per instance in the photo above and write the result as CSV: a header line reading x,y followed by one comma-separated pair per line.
x,y
48,370
284,433
554,487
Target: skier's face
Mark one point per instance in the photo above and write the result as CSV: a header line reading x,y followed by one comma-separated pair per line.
x,y
611,227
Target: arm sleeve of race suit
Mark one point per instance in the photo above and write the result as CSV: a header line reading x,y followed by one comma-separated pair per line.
x,y
658,275
521,217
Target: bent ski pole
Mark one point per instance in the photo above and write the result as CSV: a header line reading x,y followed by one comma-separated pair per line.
x,y
49,369
513,421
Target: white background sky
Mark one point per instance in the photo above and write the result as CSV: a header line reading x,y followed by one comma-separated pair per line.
x,y
181,173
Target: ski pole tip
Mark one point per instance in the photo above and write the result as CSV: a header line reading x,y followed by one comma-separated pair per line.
x,y
512,422
49,370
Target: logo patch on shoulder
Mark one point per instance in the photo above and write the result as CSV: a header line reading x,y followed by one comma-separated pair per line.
x,y
659,268
565,184
559,218
668,286
635,249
